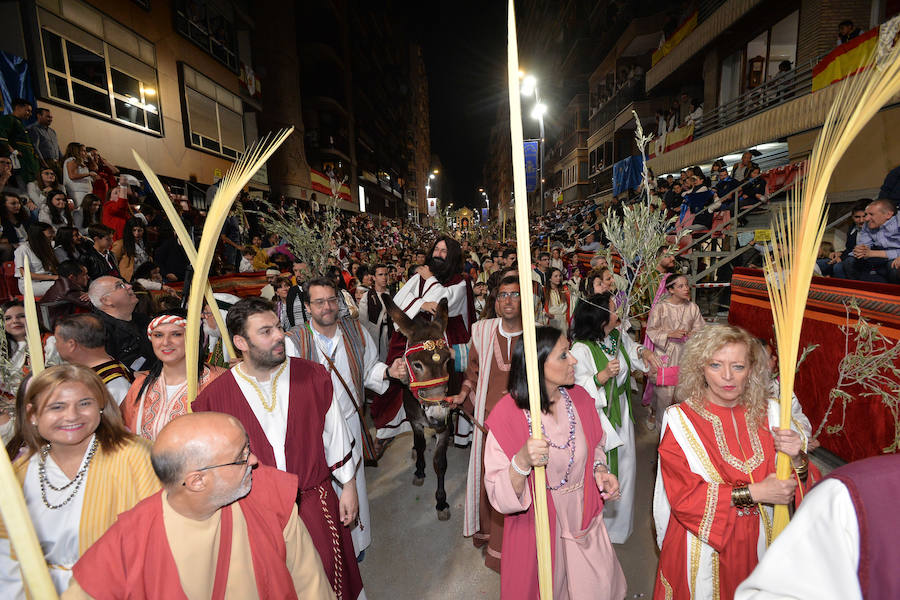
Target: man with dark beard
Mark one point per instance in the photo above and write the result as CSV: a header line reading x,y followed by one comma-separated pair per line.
x,y
440,277
294,423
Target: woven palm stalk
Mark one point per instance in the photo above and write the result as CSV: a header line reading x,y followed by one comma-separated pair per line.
x,y
234,181
801,225
539,479
15,514
186,242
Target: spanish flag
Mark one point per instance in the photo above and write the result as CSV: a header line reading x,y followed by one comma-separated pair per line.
x,y
319,182
845,60
676,38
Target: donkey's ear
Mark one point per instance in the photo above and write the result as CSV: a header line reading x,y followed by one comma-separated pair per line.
x,y
403,322
441,314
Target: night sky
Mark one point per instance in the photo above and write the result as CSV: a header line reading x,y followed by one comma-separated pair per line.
x,y
464,45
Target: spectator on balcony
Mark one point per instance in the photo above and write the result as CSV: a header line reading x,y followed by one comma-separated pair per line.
x,y
697,200
662,126
725,190
77,177
71,287
696,112
43,138
876,256
14,220
130,250
673,199
846,32
741,171
89,213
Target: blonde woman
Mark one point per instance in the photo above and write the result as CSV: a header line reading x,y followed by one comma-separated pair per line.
x,y
716,476
80,469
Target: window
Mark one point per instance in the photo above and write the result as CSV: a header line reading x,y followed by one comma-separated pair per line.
x,y
205,24
215,119
84,71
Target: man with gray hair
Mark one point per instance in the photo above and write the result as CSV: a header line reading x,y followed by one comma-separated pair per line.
x,y
81,340
126,330
221,522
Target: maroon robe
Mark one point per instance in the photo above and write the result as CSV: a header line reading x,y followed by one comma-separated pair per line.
x,y
304,455
133,559
519,568
874,484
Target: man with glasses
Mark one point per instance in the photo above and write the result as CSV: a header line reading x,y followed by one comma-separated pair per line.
x,y
490,354
294,423
222,521
126,329
349,354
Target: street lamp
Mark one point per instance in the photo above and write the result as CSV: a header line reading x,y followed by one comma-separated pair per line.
x,y
528,88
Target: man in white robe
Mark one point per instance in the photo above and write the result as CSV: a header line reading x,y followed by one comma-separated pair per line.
x,y
349,355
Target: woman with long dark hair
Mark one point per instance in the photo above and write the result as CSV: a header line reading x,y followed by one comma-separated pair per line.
x,y
578,480
15,356
14,219
89,213
38,251
557,302
129,250
55,211
69,244
606,357
160,395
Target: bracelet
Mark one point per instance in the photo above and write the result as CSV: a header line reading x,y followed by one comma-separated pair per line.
x,y
740,496
516,468
598,464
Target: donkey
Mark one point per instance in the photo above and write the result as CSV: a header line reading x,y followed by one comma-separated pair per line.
x,y
427,358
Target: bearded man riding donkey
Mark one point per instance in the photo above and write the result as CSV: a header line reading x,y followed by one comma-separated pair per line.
x,y
433,313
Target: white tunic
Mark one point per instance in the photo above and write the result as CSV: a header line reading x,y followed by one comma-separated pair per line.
x,y
816,557
57,530
373,378
618,516
335,435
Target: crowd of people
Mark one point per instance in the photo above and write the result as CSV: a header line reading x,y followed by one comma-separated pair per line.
x,y
106,441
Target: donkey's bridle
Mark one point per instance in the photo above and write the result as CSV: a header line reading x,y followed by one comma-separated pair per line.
x,y
415,386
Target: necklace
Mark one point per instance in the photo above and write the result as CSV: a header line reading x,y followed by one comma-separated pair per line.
x,y
262,397
570,444
76,481
613,348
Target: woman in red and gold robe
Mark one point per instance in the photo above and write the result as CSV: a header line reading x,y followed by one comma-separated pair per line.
x,y
716,482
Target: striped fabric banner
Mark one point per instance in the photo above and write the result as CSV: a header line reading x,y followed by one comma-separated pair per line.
x,y
845,60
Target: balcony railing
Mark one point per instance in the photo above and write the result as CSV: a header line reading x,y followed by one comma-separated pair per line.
x,y
631,91
776,91
577,139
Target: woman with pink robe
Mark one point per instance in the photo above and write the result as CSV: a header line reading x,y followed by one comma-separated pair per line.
x,y
578,481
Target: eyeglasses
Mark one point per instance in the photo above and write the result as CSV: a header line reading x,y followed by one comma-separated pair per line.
x,y
508,295
245,453
320,302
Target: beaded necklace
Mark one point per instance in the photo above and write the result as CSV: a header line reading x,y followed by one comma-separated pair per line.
x,y
570,444
262,398
613,348
76,481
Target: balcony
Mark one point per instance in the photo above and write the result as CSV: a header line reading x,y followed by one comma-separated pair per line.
x,y
577,139
775,92
632,90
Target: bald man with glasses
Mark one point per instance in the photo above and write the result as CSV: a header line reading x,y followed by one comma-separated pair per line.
x,y
223,526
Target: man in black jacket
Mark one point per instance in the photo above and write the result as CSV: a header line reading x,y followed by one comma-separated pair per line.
x,y
99,260
126,330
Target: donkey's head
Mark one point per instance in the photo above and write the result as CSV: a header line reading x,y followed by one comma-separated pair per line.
x,y
427,356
